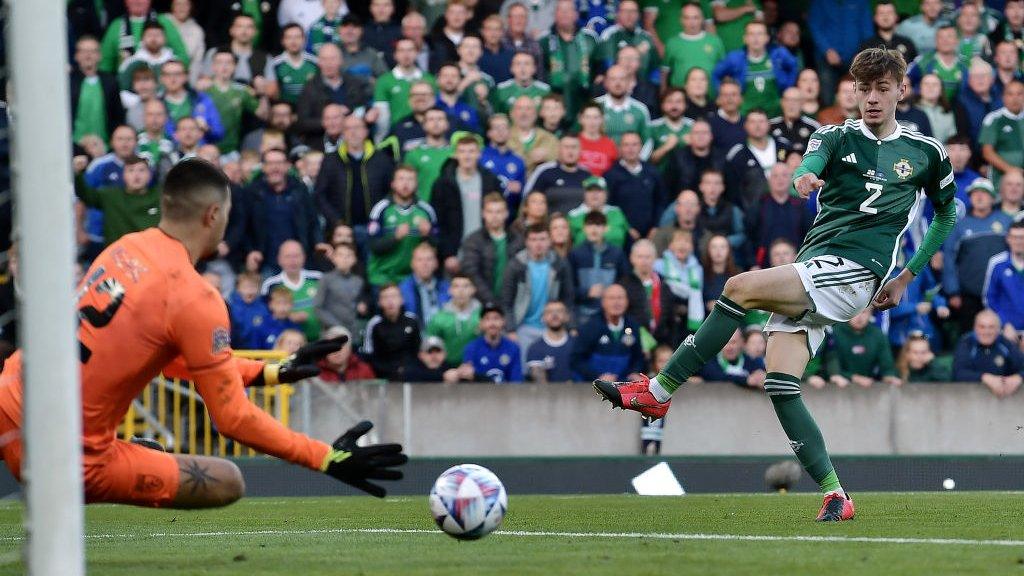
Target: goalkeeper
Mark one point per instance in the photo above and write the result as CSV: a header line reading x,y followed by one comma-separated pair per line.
x,y
144,310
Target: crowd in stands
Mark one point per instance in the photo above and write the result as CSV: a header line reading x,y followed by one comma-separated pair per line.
x,y
547,190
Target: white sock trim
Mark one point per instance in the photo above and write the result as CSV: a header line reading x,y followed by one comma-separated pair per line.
x,y
658,391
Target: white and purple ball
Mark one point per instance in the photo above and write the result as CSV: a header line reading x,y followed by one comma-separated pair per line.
x,y
468,501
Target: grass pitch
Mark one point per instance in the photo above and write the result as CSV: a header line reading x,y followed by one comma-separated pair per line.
x,y
921,533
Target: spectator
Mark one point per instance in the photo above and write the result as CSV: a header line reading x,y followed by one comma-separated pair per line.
x,y
747,165
303,284
152,53
692,48
670,131
343,365
651,302
973,42
916,362
144,89
124,34
595,199
95,105
976,97
496,59
289,341
1002,133
343,295
553,114
561,181
397,224
561,234
627,32
733,365
597,151
1004,281
192,34
914,312
533,278
637,188
548,359
456,199
730,19
324,30
251,60
793,125
698,102
987,357
1011,194
279,302
458,320
129,207
683,216
684,276
447,35
423,293
859,353
353,180
520,22
281,121
414,28
845,107
233,100
727,122
595,265
778,215
428,158
534,211
182,101
449,98
523,83
762,73
921,28
534,145
959,150
944,61
719,265
381,31
1007,68
430,364
494,357
503,162
476,85
487,252
837,27
188,136
280,209
886,35
288,72
944,119
248,312
392,336
910,117
685,165
332,86
622,112
718,215
409,131
567,54
608,346
977,237
1011,29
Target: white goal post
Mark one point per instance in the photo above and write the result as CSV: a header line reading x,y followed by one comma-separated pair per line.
x,y
41,177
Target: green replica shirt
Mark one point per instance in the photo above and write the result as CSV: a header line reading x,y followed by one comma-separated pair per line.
x,y
178,110
629,116
618,226
123,213
872,191
505,93
123,38
865,353
951,76
684,52
392,91
91,112
303,297
760,90
456,329
469,95
731,32
659,130
232,103
666,16
390,257
615,37
427,160
568,63
153,149
290,77
323,31
1004,132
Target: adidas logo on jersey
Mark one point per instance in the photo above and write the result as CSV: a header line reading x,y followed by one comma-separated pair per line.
x,y
850,158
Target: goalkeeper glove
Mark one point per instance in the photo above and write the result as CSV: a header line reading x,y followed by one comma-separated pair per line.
x,y
302,364
356,465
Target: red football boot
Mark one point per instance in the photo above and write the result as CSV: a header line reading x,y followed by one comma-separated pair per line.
x,y
835,508
634,395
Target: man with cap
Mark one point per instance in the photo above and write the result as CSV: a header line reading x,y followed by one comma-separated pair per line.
x,y
493,357
430,365
977,237
595,199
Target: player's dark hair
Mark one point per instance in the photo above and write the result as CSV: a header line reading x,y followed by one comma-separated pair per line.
x,y
190,187
878,63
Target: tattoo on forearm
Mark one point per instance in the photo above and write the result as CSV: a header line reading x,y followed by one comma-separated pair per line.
x,y
197,477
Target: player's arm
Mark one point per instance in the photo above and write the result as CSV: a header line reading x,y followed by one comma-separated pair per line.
x,y
820,147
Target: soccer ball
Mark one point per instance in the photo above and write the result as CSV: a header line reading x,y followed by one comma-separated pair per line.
x,y
468,501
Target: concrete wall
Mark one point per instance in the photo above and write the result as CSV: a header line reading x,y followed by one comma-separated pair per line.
x,y
706,419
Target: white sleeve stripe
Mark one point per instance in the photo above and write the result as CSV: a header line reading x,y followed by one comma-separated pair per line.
x,y
947,180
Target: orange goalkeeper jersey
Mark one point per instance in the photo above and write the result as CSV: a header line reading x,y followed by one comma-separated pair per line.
x,y
144,309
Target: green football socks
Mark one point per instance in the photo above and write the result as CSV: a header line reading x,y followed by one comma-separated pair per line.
x,y
804,435
695,351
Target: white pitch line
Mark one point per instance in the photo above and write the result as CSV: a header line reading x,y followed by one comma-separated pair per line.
x,y
544,534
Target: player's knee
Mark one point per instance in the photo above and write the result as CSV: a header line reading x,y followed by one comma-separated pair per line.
x,y
739,289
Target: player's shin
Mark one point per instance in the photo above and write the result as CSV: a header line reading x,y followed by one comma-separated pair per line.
x,y
696,350
803,433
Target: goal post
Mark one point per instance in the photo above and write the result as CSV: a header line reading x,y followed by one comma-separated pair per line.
x,y
42,182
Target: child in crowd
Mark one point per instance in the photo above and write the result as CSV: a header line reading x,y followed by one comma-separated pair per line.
x,y
248,312
343,296
289,341
280,304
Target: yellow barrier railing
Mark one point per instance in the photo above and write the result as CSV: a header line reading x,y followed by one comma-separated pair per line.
x,y
171,412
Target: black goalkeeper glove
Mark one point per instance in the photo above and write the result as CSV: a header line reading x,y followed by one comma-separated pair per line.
x,y
356,465
302,364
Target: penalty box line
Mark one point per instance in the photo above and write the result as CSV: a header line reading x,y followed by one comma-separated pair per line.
x,y
546,534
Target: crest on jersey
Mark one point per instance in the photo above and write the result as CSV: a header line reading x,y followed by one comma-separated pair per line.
x,y
903,168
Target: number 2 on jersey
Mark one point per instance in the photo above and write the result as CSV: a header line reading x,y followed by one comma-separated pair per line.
x,y
876,191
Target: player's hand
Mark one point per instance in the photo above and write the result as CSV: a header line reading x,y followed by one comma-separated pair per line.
x,y
356,465
806,184
891,294
304,363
